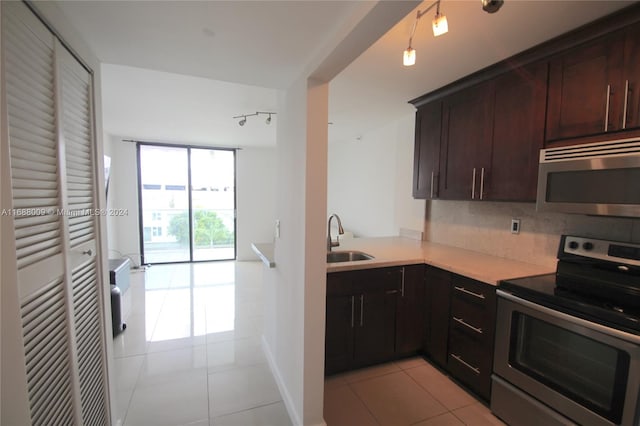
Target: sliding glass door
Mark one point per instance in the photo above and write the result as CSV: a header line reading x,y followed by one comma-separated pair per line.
x,y
187,203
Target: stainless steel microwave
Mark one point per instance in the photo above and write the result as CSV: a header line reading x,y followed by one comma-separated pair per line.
x,y
594,179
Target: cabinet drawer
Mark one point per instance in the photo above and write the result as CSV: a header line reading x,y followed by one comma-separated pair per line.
x,y
470,362
473,303
472,291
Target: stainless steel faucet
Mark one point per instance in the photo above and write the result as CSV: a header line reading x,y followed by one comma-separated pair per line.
x,y
330,242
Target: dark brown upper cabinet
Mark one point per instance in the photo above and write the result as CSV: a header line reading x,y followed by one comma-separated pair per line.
x,y
586,91
518,134
594,88
490,138
466,142
426,158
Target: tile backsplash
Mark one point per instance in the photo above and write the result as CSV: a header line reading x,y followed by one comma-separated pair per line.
x,y
485,227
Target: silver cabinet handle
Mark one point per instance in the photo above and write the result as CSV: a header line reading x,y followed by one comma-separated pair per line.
x,y
481,182
473,185
361,310
466,324
606,114
353,306
432,173
466,364
626,105
402,287
470,293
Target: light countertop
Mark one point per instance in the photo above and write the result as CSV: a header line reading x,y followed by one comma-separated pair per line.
x,y
398,251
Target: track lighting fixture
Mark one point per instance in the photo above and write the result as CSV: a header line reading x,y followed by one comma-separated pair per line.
x,y
439,26
243,117
492,6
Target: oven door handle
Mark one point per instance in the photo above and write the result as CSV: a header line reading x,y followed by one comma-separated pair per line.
x,y
619,334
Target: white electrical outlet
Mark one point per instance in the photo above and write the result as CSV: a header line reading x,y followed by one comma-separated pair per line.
x,y
278,228
515,226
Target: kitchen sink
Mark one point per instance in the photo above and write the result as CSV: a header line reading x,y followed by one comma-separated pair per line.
x,y
347,256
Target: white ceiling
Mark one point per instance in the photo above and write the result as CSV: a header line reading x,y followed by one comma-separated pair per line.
x,y
269,43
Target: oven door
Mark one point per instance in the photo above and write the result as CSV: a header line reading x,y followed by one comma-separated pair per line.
x,y
587,372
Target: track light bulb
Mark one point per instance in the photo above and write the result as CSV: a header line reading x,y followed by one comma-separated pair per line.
x,y
440,25
268,120
242,122
409,57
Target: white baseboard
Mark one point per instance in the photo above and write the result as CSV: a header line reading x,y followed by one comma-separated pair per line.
x,y
284,392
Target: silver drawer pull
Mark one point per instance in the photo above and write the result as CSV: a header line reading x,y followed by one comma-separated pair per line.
x,y
470,293
466,324
466,364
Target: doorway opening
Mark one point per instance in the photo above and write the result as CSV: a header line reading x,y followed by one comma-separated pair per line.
x,y
187,201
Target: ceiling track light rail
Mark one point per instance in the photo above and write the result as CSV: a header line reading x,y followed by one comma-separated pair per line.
x,y
243,117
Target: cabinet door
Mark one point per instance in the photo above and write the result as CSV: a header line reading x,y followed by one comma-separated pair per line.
x,y
410,326
339,323
585,93
438,284
466,141
426,155
339,333
518,134
631,77
375,322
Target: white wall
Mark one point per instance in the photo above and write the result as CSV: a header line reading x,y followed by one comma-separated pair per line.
x,y
370,180
485,227
295,289
256,198
255,190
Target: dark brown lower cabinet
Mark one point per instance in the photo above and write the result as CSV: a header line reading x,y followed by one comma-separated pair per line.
x,y
361,318
471,333
411,317
438,289
376,315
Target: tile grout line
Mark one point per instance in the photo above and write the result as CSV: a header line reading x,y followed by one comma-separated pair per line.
x,y
375,419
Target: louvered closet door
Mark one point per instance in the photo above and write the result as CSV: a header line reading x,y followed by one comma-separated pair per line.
x,y
29,56
77,140
49,108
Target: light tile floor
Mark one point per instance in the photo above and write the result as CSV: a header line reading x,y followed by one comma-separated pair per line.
x,y
192,355
407,392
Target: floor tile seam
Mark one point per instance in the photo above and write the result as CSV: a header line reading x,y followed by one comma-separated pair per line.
x,y
432,395
213,370
241,367
164,351
157,318
209,417
262,404
364,404
246,409
373,377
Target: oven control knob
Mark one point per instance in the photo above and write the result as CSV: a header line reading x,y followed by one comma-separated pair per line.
x,y
587,246
573,245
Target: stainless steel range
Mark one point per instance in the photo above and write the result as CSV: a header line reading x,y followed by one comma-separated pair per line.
x,y
567,346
